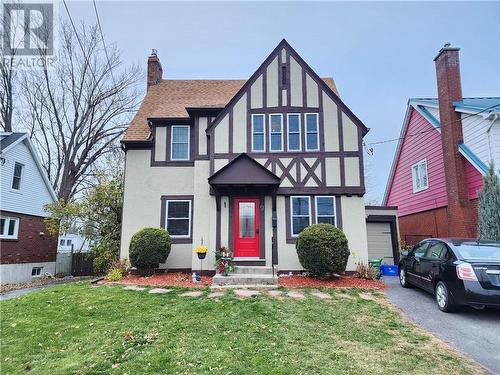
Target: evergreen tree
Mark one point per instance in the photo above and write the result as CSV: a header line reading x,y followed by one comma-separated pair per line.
x,y
489,207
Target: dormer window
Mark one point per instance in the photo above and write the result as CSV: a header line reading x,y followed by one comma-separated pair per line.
x,y
419,176
179,142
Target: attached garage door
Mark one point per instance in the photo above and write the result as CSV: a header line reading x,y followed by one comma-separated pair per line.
x,y
379,242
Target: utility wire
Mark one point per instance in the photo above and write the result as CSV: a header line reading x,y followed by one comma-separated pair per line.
x,y
79,41
425,131
103,41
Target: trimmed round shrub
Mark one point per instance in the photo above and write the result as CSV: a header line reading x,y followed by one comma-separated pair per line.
x,y
148,248
322,249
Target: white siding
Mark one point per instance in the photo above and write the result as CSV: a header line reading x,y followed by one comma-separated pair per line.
x,y
483,143
33,194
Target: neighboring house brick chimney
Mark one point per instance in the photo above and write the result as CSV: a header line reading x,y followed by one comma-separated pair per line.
x,y
461,220
155,71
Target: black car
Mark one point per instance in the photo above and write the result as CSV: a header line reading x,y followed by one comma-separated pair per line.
x,y
457,271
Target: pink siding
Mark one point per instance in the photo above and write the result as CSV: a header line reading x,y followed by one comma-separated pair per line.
x,y
415,148
474,180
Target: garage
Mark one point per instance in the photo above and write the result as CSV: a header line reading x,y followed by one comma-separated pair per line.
x,y
382,233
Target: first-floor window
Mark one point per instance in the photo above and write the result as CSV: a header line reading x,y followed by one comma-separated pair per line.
x,y
36,271
301,214
178,220
419,176
62,242
325,210
9,227
180,143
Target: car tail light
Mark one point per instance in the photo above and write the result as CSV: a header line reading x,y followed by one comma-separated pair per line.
x,y
466,272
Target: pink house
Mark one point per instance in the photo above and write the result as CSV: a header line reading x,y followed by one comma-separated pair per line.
x,y
445,147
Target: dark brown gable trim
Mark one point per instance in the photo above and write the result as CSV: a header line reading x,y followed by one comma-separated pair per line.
x,y
163,211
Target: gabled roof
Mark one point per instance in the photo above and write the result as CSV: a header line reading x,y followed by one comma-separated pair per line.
x,y
486,105
10,140
322,82
243,170
172,98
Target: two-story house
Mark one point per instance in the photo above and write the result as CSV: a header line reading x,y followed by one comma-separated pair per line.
x,y
445,148
245,164
26,248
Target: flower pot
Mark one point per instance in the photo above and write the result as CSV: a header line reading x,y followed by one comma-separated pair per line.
x,y
201,255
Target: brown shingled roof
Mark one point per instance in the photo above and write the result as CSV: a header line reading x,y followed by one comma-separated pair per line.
x,y
169,98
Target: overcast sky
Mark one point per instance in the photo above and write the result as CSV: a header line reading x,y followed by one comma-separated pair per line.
x,y
380,54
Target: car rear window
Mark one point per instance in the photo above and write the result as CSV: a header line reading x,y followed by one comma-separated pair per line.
x,y
473,250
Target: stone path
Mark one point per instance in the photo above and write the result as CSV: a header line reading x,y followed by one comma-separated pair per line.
x,y
247,293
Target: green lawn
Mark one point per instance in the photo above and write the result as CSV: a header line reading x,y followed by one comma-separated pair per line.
x,y
77,329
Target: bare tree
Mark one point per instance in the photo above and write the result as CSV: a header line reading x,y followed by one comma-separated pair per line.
x,y
78,109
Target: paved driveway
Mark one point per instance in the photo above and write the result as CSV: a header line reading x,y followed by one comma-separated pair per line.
x,y
474,332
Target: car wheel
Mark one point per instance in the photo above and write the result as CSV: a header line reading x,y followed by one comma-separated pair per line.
x,y
402,278
443,297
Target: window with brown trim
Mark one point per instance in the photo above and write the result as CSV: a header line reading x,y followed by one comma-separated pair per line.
x,y
178,218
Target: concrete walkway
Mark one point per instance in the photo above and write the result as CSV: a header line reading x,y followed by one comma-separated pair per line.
x,y
474,332
21,292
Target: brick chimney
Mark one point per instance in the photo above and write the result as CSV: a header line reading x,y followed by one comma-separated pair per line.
x,y
155,71
460,223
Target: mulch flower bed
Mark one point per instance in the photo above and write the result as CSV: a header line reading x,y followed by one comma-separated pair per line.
x,y
302,281
294,281
167,279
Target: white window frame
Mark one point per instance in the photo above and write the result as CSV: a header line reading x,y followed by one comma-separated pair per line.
x,y
271,133
6,236
37,268
415,176
167,202
263,132
172,142
334,208
292,215
20,179
62,242
288,131
307,133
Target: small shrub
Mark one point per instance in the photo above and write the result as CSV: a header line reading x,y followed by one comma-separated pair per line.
x,y
148,248
322,249
366,271
115,274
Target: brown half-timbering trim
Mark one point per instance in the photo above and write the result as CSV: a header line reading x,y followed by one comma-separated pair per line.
x,y
196,137
394,234
321,120
274,239
285,110
163,212
338,211
193,148
288,220
349,191
279,85
341,147
249,120
291,154
361,163
218,222
304,88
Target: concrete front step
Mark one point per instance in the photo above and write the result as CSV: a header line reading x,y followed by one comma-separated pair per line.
x,y
244,279
255,270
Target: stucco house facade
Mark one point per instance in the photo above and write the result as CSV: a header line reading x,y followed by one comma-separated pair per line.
x,y
245,164
27,250
445,148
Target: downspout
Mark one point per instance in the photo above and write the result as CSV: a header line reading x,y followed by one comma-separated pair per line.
x,y
488,135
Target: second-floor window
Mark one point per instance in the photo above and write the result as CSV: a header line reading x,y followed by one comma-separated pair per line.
x,y
179,143
294,142
419,176
312,132
258,133
18,174
276,132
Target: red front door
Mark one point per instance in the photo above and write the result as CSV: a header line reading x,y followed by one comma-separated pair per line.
x,y
246,227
